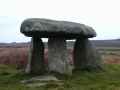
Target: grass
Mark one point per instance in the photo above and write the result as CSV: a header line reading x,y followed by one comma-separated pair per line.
x,y
109,79
109,50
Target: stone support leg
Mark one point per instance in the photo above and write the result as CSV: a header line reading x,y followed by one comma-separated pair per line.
x,y
85,55
58,60
36,57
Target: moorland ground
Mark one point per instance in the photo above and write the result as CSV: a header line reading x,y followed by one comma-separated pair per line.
x,y
13,60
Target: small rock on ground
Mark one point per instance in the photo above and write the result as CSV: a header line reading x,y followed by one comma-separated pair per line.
x,y
41,81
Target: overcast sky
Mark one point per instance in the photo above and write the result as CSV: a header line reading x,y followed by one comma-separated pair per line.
x,y
102,15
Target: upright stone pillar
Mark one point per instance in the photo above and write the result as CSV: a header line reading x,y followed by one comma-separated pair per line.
x,y
85,55
36,57
58,60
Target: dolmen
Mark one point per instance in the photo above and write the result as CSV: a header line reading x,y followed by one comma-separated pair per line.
x,y
85,55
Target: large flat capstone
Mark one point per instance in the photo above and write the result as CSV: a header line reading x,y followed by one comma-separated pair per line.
x,y
45,28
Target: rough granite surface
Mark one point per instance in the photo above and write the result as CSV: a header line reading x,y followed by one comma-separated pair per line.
x,y
86,56
45,28
58,60
36,63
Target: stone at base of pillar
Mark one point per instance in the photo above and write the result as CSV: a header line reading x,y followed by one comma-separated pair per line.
x,y
85,56
36,63
58,60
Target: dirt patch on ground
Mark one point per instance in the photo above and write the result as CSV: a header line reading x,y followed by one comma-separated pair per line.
x,y
111,59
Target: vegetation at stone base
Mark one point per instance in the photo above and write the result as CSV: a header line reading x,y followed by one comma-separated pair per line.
x,y
109,79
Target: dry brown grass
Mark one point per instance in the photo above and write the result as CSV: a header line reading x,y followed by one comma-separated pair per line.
x,y
112,59
16,56
19,56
